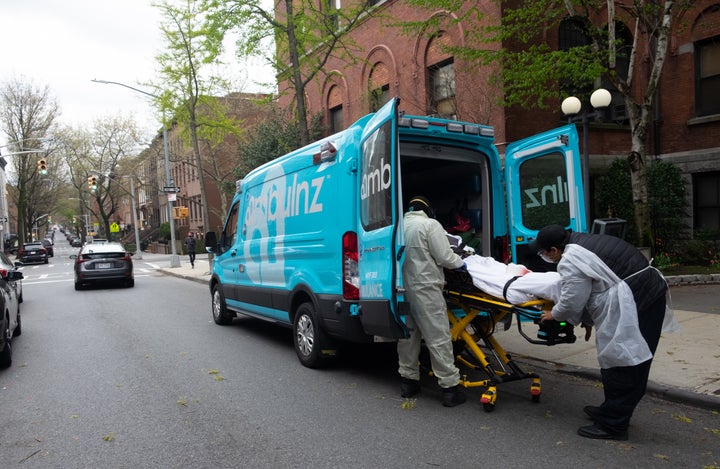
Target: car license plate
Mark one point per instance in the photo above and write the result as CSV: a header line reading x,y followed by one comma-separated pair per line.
x,y
32,252
104,265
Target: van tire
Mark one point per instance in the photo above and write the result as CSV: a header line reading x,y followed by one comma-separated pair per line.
x,y
220,313
312,345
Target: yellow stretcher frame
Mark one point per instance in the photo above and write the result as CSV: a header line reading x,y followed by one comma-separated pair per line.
x,y
481,313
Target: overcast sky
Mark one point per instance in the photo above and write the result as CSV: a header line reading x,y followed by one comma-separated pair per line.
x,y
64,44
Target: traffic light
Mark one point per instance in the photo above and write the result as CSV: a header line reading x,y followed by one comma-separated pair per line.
x,y
42,166
92,183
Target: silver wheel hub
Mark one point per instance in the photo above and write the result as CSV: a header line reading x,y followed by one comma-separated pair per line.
x,y
305,335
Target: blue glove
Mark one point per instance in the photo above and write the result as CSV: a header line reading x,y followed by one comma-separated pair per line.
x,y
461,269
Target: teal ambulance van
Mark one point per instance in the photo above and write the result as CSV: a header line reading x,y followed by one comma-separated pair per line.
x,y
313,240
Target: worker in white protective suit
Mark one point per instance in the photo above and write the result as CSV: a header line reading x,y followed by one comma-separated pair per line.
x,y
427,251
608,283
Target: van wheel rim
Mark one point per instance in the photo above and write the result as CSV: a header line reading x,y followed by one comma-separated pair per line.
x,y
305,335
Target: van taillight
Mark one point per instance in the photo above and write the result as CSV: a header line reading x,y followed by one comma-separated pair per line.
x,y
505,250
351,276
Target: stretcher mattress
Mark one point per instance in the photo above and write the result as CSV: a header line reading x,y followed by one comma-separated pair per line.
x,y
513,282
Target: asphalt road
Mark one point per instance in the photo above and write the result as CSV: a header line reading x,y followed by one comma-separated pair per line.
x,y
142,378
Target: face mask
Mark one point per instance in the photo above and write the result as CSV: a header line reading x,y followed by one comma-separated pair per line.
x,y
547,259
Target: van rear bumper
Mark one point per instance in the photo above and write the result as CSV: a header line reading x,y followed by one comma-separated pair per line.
x,y
338,320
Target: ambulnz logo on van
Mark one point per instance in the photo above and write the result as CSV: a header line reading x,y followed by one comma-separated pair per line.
x,y
279,199
548,194
376,181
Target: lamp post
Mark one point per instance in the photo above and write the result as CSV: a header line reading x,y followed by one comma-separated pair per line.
x,y
572,108
174,258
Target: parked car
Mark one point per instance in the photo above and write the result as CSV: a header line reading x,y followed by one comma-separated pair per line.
x,y
107,262
48,245
75,242
6,265
10,322
32,252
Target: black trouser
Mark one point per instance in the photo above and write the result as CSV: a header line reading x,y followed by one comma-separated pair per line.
x,y
192,256
624,386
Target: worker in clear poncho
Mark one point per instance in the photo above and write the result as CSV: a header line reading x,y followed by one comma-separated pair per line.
x,y
607,283
427,251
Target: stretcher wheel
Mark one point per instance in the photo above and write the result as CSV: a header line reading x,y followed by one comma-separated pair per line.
x,y
488,398
535,390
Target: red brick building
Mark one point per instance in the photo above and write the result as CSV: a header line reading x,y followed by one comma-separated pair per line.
x,y
428,80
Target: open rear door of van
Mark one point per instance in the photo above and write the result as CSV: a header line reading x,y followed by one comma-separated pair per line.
x,y
380,227
544,186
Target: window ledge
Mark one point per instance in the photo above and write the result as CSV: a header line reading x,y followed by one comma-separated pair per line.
x,y
704,119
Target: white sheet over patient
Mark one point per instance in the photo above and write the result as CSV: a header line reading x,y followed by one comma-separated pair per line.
x,y
491,276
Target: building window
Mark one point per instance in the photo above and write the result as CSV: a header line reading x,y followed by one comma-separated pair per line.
x,y
378,97
331,8
706,200
707,77
335,109
336,119
442,90
571,34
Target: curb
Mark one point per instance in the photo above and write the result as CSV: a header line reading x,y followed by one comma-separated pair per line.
x,y
186,277
697,279
660,391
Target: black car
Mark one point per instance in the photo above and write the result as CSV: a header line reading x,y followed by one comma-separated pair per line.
x,y
107,263
32,253
10,298
47,243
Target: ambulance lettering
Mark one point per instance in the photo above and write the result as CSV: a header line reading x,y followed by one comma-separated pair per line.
x,y
371,290
376,181
539,196
269,208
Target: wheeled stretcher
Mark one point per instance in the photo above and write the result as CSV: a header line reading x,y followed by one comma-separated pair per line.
x,y
474,316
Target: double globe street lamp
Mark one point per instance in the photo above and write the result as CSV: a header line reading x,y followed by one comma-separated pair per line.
x,y
572,107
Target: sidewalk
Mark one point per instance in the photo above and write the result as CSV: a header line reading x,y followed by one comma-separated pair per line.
x,y
686,367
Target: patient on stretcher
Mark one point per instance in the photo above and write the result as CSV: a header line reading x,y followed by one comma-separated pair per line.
x,y
512,282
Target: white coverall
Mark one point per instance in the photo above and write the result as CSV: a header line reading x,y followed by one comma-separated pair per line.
x,y
427,251
589,284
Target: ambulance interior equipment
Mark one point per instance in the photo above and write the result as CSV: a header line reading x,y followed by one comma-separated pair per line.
x,y
474,314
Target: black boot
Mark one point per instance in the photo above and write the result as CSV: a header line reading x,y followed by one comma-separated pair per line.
x,y
453,396
409,387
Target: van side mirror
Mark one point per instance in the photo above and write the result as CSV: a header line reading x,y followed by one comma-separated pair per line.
x,y
210,242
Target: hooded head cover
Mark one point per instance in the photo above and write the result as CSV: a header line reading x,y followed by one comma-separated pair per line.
x,y
551,236
421,203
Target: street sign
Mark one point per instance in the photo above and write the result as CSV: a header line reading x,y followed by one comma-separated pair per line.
x,y
171,189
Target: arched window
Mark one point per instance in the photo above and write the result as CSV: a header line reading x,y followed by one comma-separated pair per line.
x,y
441,78
379,86
572,33
335,110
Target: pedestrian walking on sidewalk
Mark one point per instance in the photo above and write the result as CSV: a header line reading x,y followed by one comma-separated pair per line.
x,y
607,282
190,246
